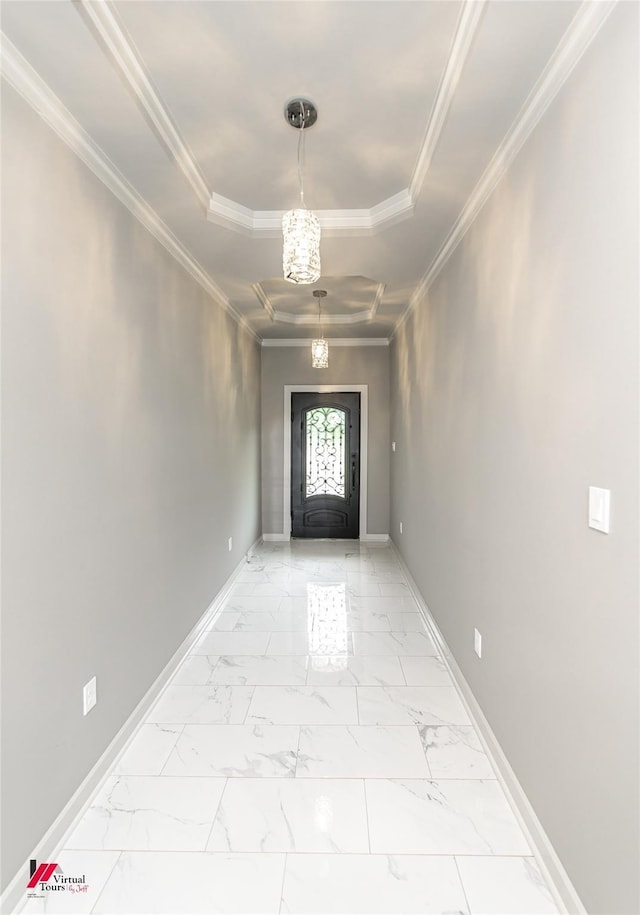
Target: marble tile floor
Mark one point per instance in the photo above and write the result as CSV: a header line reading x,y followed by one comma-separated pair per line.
x,y
310,755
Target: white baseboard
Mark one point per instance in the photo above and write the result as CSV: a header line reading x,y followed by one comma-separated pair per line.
x,y
551,867
276,538
54,839
374,538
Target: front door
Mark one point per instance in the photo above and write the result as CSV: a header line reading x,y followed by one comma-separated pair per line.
x,y
325,465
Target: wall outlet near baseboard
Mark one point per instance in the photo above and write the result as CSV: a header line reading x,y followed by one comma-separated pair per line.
x,y
89,695
401,527
477,643
230,543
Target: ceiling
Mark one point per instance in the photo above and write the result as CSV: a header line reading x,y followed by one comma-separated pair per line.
x,y
421,105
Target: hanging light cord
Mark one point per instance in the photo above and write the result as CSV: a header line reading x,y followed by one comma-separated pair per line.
x,y
320,319
301,157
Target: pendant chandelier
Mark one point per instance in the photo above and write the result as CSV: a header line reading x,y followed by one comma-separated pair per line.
x,y
300,227
319,346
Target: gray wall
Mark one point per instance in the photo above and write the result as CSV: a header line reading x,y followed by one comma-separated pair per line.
x,y
347,365
514,388
130,432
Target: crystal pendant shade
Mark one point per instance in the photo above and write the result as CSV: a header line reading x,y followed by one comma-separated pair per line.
x,y
319,354
301,248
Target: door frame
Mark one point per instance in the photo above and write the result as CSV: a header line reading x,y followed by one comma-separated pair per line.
x,y
363,390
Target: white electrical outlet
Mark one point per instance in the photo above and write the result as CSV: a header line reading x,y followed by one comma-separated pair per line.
x,y
477,643
401,527
230,543
393,446
89,695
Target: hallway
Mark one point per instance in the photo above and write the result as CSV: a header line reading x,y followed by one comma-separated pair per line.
x,y
311,754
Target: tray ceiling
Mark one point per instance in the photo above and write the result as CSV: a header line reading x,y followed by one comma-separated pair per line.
x,y
178,106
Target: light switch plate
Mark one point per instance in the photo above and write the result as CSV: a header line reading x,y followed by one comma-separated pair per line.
x,y
89,695
599,509
477,643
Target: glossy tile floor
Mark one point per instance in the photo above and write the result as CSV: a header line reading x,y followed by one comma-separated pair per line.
x,y
311,755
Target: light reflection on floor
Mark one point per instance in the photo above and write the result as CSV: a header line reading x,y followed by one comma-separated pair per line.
x,y
327,625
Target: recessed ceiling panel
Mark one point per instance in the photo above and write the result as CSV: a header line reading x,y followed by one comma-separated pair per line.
x,y
226,69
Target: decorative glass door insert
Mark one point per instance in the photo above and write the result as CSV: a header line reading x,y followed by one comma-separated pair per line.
x,y
325,429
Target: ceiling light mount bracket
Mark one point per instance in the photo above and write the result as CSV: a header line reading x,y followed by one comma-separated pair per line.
x,y
300,112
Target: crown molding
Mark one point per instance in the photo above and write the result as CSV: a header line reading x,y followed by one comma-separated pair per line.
x,y
24,79
468,23
332,341
583,28
104,21
286,317
334,223
119,47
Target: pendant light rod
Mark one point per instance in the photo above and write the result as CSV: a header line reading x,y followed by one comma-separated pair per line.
x,y
319,346
319,294
301,227
301,114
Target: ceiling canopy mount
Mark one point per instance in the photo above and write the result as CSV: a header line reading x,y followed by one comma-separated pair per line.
x,y
300,113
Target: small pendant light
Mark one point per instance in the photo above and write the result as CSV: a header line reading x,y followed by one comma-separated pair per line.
x,y
319,346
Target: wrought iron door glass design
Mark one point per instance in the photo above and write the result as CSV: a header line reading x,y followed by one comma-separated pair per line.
x,y
325,452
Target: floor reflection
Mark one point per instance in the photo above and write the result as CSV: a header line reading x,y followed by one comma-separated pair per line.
x,y
327,625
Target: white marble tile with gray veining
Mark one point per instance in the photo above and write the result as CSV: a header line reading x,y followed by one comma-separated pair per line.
x,y
200,883
367,621
505,886
383,604
395,589
389,575
455,751
363,588
291,815
195,669
208,704
427,671
406,621
235,750
360,752
256,602
384,670
273,621
394,643
314,717
250,575
372,885
295,603
323,639
232,643
224,621
261,670
149,749
455,817
139,812
303,705
416,705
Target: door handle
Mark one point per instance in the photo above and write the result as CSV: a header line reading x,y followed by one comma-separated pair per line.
x,y
353,474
